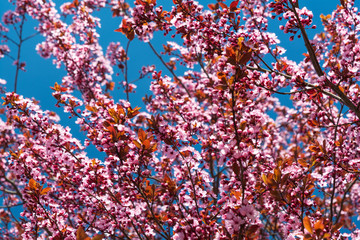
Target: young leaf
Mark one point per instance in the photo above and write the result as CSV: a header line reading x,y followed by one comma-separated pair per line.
x,y
264,178
277,174
137,144
319,226
33,184
223,5
45,191
98,237
81,235
142,135
233,5
307,224
213,6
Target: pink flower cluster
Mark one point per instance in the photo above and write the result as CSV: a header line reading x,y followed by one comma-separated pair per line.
x,y
215,154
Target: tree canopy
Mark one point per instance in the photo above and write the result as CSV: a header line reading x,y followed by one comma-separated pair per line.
x,y
214,154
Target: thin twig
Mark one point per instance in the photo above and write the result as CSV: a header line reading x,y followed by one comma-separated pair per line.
x,y
318,69
287,76
19,52
126,71
168,68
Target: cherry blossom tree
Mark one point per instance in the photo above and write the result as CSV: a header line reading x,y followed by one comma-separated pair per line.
x,y
215,154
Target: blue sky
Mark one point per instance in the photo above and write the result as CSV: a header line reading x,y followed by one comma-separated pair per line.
x,y
41,73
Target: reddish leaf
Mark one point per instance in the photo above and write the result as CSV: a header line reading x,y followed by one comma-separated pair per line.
x,y
314,148
33,184
90,108
302,162
213,6
45,191
337,226
264,178
58,88
223,5
233,5
137,144
153,147
277,174
130,34
81,235
236,169
142,135
127,30
146,144
237,194
245,58
319,225
307,224
98,237
313,123
341,89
